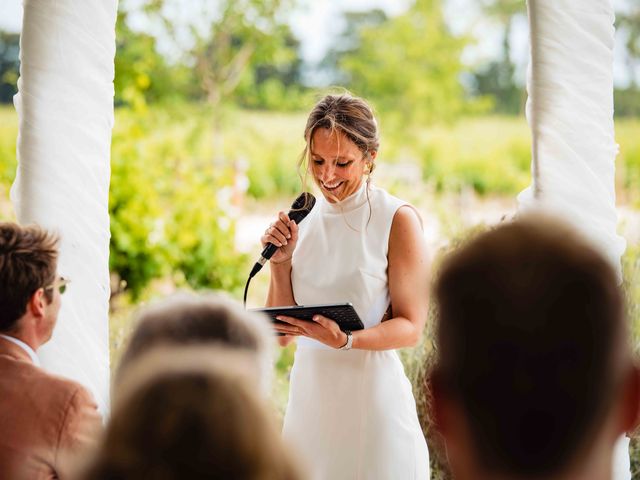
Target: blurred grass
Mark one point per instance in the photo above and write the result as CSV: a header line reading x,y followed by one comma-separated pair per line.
x,y
488,155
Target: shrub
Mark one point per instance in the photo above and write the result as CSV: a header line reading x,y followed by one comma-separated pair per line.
x,y
169,212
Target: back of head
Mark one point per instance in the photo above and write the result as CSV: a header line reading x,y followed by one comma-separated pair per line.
x,y
530,341
187,413
189,319
28,261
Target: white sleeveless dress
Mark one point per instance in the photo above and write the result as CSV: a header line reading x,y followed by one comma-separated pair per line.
x,y
351,414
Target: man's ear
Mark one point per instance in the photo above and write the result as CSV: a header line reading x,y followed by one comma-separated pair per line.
x,y
37,303
631,401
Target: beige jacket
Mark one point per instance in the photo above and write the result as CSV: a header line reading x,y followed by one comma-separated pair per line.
x,y
46,421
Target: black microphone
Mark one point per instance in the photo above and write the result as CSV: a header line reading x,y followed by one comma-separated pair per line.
x,y
299,210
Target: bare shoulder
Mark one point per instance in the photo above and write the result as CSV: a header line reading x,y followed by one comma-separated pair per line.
x,y
406,220
407,244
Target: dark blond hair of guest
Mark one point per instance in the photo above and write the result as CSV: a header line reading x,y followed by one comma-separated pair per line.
x,y
349,115
190,412
28,261
197,319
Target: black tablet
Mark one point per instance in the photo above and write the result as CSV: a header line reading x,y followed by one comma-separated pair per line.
x,y
342,313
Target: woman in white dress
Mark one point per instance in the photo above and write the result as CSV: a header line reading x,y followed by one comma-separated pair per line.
x,y
351,412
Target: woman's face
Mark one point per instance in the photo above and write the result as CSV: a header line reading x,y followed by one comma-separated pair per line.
x,y
337,164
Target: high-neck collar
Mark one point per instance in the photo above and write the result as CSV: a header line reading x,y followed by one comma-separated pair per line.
x,y
353,201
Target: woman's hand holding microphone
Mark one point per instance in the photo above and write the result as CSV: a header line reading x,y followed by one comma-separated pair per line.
x,y
282,233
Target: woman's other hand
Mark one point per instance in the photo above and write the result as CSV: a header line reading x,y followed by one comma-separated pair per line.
x,y
321,329
283,233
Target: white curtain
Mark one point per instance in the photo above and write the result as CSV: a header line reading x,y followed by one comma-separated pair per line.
x,y
570,113
65,110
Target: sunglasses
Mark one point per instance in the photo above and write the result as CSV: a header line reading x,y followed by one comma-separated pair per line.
x,y
61,283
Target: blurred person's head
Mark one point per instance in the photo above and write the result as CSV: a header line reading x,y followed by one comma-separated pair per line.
x,y
189,319
534,377
342,142
29,286
190,412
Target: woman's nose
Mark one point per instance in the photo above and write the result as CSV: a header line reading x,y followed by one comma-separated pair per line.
x,y
326,172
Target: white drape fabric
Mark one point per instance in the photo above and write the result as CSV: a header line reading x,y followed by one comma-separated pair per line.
x,y
570,114
65,111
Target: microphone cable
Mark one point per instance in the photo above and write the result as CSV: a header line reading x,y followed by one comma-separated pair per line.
x,y
299,210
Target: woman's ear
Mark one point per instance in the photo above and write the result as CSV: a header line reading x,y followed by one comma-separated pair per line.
x,y
373,154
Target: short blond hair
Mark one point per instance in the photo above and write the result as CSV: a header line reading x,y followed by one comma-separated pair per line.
x,y
187,318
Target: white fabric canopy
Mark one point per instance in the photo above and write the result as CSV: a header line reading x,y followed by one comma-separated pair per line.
x,y
570,113
65,110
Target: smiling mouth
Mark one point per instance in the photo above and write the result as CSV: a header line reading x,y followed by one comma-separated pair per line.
x,y
331,188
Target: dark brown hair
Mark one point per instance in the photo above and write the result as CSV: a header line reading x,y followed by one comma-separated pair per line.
x,y
530,336
28,261
186,413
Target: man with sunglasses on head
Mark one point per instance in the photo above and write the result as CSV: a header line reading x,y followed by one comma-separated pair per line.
x,y
46,421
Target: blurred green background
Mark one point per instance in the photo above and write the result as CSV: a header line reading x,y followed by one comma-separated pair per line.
x,y
210,109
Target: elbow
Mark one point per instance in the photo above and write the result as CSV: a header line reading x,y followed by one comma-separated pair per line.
x,y
415,335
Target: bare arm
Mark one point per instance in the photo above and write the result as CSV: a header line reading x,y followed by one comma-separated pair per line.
x,y
408,274
284,234
280,289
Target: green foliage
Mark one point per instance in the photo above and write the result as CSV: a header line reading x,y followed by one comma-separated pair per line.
x,y
238,53
136,251
626,102
8,139
168,210
273,79
8,164
229,43
628,161
9,65
495,79
409,65
142,75
471,156
631,271
271,144
628,20
169,199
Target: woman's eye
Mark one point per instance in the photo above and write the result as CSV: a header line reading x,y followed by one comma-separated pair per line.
x,y
346,164
317,161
